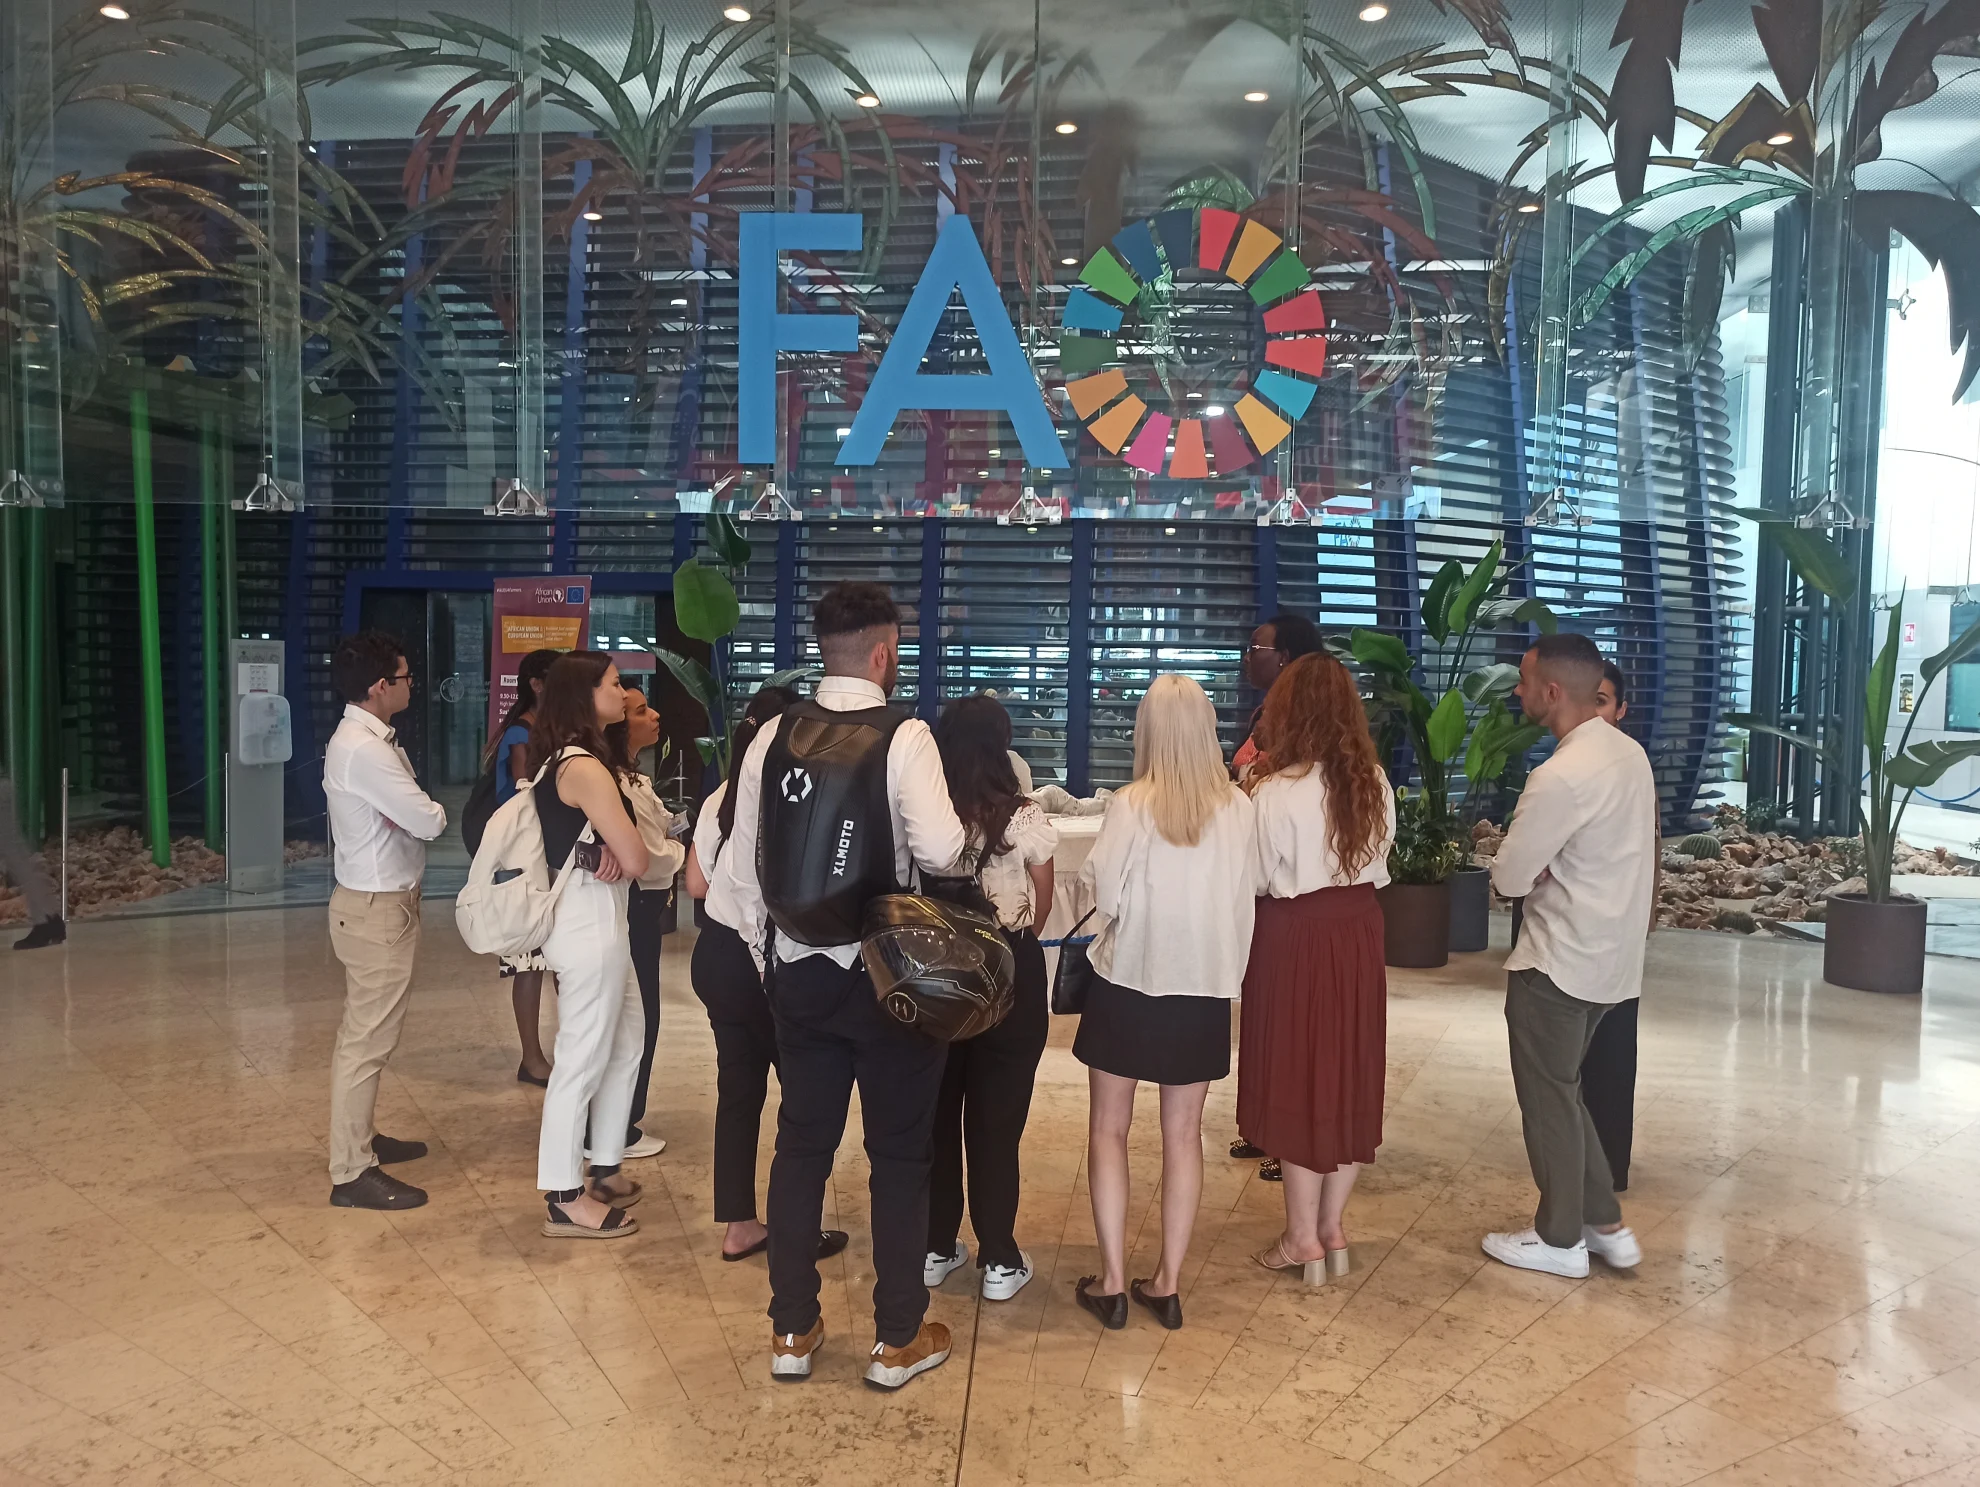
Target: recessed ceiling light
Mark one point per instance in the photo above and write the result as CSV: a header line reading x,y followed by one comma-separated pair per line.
x,y
677,304
1168,531
996,454
1785,137
1067,127
1215,410
1375,12
842,433
735,13
867,100
983,474
114,12
1193,394
1256,95
1068,262
1529,207
593,215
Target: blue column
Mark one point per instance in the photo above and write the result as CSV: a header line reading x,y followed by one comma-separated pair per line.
x,y
405,415
929,622
1079,660
1267,576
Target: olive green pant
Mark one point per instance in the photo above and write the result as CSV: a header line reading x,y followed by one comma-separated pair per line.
x,y
1549,1032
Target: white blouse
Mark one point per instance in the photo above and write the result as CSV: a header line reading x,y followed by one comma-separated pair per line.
x,y
1295,852
1177,919
721,904
1006,877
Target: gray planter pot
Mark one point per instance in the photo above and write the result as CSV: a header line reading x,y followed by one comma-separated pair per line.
x,y
1471,909
1416,924
1875,947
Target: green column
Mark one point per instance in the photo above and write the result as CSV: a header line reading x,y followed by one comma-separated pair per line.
x,y
11,657
230,611
158,826
32,781
214,670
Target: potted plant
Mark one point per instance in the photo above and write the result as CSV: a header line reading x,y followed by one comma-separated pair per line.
x,y
1875,940
1426,917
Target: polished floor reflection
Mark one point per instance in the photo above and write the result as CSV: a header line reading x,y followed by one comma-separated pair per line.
x,y
180,1305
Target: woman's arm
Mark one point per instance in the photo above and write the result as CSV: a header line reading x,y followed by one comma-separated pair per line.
x,y
518,763
1041,892
697,880
589,785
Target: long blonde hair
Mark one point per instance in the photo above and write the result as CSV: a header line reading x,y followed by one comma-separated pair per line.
x,y
1179,775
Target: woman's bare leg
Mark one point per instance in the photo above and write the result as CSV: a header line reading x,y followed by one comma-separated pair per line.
x,y
526,991
1110,1114
1182,1181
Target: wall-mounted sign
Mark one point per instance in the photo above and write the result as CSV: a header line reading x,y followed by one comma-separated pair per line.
x,y
532,614
1184,446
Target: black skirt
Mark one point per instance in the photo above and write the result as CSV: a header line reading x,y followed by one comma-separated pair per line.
x,y
1160,1039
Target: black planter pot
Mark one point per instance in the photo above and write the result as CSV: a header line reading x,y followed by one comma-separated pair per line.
x,y
1875,947
1416,924
1471,909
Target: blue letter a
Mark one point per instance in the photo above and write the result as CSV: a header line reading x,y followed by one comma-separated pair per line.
x,y
956,263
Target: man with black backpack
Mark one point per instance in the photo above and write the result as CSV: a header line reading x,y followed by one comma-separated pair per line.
x,y
843,798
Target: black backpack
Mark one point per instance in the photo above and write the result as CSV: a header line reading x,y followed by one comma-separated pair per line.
x,y
825,838
480,806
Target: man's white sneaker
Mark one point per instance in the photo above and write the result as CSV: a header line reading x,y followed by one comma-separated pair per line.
x,y
937,1268
1618,1249
648,1145
1526,1250
1001,1282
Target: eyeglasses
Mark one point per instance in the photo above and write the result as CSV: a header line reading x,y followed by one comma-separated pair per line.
x,y
1264,650
404,676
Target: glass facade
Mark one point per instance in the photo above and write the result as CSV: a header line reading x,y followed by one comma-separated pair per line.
x,y
1099,330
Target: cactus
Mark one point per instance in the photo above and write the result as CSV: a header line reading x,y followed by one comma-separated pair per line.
x,y
1700,844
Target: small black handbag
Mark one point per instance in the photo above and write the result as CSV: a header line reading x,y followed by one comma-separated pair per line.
x,y
1075,976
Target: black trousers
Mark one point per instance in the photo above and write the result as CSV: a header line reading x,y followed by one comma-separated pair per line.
x,y
985,1100
831,1034
645,909
726,980
1608,1086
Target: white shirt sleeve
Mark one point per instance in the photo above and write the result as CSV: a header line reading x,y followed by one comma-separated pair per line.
x,y
935,836
708,830
1107,864
1547,815
1032,835
381,776
664,855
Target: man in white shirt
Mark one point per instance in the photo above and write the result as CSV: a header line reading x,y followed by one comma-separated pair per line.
x,y
1581,851
831,1032
380,822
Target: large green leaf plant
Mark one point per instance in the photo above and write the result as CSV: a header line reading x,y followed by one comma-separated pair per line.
x,y
1469,725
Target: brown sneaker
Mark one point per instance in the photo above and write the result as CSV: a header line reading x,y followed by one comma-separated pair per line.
x,y
892,1367
790,1353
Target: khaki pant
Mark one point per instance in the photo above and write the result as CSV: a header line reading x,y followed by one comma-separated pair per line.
x,y
1549,1032
376,936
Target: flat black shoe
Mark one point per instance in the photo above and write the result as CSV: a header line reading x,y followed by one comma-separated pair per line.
x,y
743,1254
1268,1171
1167,1309
376,1189
831,1241
1243,1151
1111,1310
523,1076
48,932
387,1149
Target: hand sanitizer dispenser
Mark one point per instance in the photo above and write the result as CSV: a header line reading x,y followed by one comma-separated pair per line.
x,y
264,730
260,745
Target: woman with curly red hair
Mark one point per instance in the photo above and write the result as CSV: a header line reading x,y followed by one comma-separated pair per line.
x,y
1312,1045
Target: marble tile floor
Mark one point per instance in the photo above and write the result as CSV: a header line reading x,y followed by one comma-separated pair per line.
x,y
180,1305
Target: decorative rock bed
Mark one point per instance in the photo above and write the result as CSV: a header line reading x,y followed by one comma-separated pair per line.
x,y
112,867
1757,877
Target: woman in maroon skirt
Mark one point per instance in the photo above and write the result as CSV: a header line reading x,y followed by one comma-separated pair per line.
x,y
1312,1044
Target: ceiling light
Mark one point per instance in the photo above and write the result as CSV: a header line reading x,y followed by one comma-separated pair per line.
x,y
1215,410
842,433
735,13
867,100
1068,127
1785,137
594,215
678,303
1376,12
996,454
1168,531
1193,394
1256,95
1069,262
114,12
983,474
1529,207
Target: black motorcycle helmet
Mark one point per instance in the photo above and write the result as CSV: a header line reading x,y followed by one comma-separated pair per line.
x,y
939,967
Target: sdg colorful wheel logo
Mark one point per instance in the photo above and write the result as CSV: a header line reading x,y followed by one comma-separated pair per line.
x,y
1281,388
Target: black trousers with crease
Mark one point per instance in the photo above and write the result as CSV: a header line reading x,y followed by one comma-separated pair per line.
x,y
726,980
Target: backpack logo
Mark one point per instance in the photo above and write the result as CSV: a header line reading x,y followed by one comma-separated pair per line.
x,y
796,785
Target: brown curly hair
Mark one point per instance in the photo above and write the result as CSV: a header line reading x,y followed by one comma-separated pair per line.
x,y
1314,718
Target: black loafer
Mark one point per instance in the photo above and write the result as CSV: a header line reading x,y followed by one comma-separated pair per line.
x,y
1111,1310
831,1241
1167,1309
523,1076
387,1149
1243,1151
376,1189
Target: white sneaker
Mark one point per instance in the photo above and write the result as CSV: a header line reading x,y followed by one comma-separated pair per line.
x,y
1001,1282
648,1145
1618,1250
937,1268
1526,1250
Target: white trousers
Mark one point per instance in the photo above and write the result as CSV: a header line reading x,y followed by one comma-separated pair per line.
x,y
601,1031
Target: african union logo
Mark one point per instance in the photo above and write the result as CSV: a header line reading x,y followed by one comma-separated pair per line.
x,y
1273,394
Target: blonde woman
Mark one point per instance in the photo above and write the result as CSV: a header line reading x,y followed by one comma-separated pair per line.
x,y
1172,876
